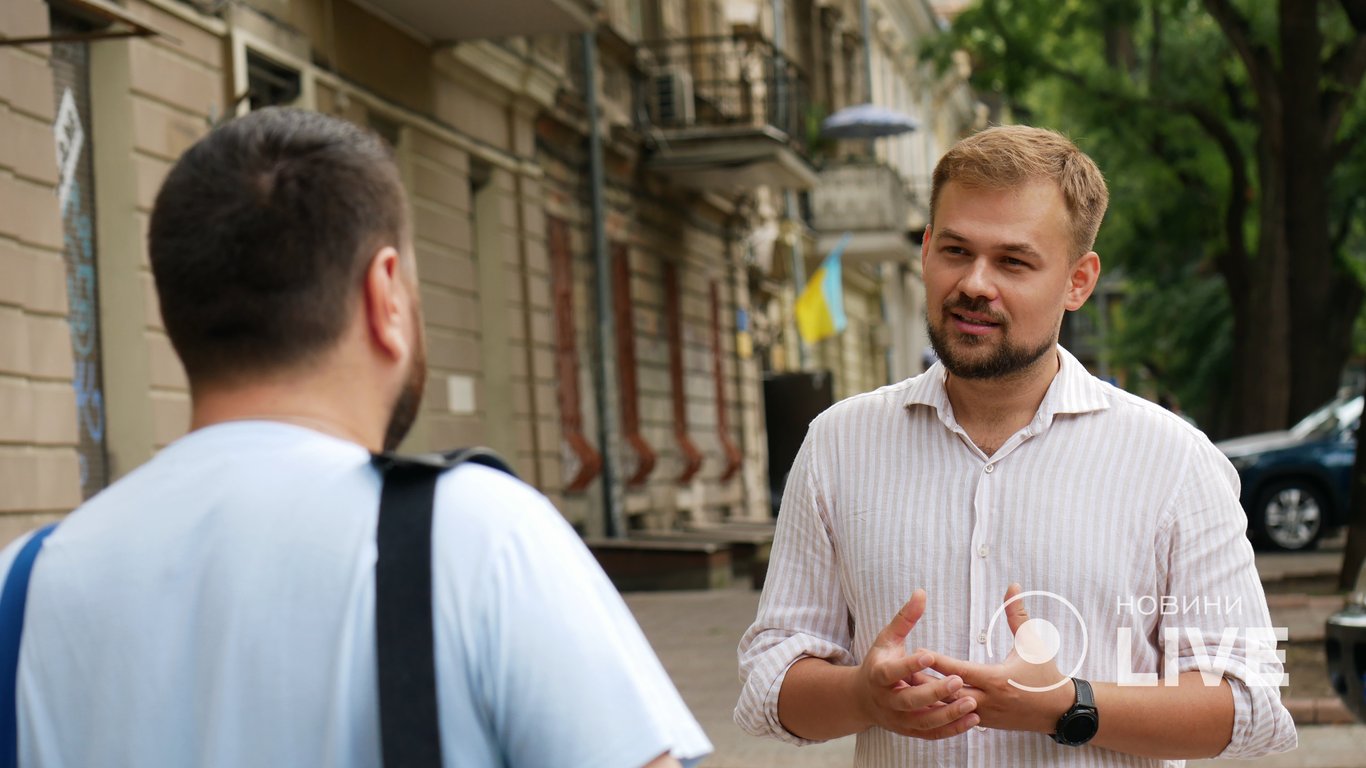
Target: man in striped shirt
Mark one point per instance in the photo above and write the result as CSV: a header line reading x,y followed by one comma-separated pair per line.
x,y
1007,467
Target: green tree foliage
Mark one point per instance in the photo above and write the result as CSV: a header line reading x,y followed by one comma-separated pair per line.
x,y
1228,130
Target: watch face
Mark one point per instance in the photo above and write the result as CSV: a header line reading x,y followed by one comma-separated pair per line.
x,y
1079,727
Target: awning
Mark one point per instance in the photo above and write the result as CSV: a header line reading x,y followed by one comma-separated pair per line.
x,y
112,22
443,21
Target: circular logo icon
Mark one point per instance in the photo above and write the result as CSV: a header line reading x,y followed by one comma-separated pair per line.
x,y
1038,640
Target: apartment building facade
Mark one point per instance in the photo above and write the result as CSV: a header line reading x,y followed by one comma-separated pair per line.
x,y
610,208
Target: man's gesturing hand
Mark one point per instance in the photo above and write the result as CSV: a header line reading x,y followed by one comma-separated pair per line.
x,y
1001,704
895,693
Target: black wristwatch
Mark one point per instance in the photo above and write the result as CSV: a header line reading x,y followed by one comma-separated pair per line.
x,y
1079,724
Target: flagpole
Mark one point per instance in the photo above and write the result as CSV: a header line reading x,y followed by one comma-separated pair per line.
x,y
798,273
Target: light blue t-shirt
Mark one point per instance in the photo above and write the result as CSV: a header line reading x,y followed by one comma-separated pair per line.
x,y
216,608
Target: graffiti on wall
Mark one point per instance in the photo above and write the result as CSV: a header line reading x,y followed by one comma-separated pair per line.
x,y
81,287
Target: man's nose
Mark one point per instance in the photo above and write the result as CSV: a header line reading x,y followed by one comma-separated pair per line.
x,y
978,282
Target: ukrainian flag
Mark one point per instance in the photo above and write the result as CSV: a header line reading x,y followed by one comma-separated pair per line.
x,y
820,308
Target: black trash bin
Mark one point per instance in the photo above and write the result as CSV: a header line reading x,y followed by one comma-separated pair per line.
x,y
791,401
1345,643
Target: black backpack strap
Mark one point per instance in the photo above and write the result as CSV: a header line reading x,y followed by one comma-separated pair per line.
x,y
410,733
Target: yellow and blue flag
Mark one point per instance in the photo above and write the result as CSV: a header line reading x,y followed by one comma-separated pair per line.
x,y
820,308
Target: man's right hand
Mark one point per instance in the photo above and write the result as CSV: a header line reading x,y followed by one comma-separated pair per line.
x,y
890,689
896,694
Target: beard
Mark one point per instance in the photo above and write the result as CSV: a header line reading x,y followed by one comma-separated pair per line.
x,y
409,399
1003,362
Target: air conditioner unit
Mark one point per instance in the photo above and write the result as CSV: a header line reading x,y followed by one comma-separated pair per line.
x,y
671,97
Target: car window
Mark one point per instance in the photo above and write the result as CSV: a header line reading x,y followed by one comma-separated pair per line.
x,y
1322,419
1329,420
1349,416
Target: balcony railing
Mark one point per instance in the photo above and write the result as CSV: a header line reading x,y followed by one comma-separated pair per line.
x,y
731,81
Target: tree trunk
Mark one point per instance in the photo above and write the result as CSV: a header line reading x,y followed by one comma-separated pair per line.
x,y
1261,375
1320,328
1324,300
1260,382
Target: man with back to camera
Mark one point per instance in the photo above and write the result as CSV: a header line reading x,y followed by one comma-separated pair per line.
x,y
1007,464
216,607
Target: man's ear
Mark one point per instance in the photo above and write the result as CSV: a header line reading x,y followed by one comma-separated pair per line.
x,y
925,247
386,302
1082,280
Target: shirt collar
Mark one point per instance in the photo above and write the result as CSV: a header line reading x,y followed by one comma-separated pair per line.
x,y
1073,390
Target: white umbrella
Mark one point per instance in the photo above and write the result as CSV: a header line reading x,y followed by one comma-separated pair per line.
x,y
867,121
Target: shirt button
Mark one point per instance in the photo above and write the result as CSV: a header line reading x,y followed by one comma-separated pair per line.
x,y
982,638
982,550
990,468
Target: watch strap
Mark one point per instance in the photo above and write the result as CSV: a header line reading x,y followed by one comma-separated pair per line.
x,y
1085,697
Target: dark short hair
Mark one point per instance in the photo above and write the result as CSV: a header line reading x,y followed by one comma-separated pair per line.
x,y
260,237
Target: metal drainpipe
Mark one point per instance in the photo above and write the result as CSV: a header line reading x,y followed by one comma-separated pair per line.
x,y
790,209
888,317
792,212
866,29
609,431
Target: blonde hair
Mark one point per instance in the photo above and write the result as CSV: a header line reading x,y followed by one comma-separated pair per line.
x,y
1008,156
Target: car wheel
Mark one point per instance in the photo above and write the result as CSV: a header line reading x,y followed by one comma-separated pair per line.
x,y
1289,514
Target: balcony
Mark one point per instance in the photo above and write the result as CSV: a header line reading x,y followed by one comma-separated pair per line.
x,y
724,114
443,21
870,202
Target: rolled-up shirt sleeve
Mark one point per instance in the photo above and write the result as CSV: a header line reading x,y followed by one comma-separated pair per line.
x,y
802,611
1219,618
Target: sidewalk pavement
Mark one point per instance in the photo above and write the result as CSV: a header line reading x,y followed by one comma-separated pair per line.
x,y
696,633
1325,560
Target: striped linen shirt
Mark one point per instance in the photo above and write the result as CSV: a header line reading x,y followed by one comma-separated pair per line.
x,y
1116,507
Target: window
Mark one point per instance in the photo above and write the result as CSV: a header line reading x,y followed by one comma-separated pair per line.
x,y
270,84
390,130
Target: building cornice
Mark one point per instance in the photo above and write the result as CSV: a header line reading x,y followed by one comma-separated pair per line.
x,y
512,73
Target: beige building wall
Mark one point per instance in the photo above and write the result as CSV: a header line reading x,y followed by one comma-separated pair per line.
x,y
658,224
463,123
479,230
490,141
559,154
856,357
692,237
159,96
942,102
880,345
38,432
748,401
462,120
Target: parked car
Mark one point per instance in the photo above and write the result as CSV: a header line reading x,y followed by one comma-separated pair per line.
x,y
1344,641
1295,482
